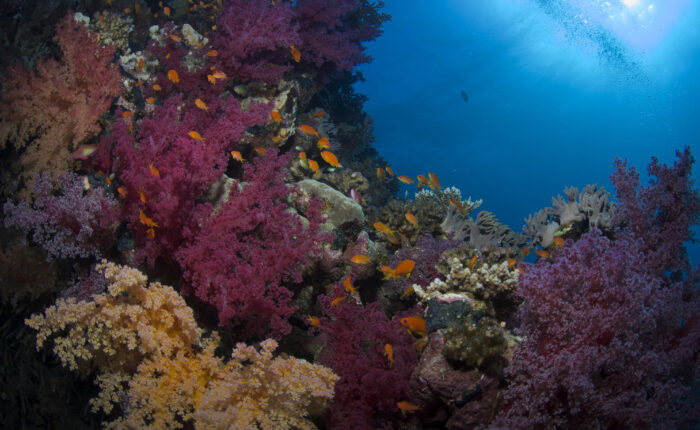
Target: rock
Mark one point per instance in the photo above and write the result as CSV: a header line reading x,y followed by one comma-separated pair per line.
x,y
338,209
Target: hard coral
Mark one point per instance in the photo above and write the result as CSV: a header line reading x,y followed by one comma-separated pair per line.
x,y
48,114
241,255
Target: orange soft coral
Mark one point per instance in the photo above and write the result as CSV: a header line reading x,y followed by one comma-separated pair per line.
x,y
47,114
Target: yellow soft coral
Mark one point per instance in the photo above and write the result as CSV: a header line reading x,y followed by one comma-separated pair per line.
x,y
117,329
152,360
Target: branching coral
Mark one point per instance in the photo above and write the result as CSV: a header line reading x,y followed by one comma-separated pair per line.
x,y
48,114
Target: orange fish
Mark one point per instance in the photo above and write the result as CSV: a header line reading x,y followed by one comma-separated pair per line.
x,y
381,174
142,196
314,321
404,268
472,262
219,74
433,181
559,242
405,179
127,10
200,104
211,79
122,191
318,114
411,218
126,114
196,136
151,233
526,251
173,76
302,156
277,139
405,406
137,8
154,171
157,87
275,116
512,262
313,165
422,181
459,206
138,70
542,253
360,259
108,181
330,158
212,53
383,228
151,100
295,53
407,292
175,37
167,56
166,11
421,344
237,156
308,129
389,171
323,143
337,301
143,219
415,325
347,283
138,84
389,354
259,150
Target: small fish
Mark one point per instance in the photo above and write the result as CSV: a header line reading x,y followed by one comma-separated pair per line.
x,y
175,37
143,219
464,95
142,196
542,253
259,150
195,135
138,84
314,321
407,292
302,156
459,206
389,170
108,181
241,90
404,268
126,114
347,283
525,251
237,156
275,116
355,196
381,174
416,325
296,55
512,262
422,181
411,218
166,11
360,259
307,129
173,76
433,181
121,191
84,151
151,233
212,53
167,56
219,74
137,8
211,79
157,87
421,344
330,158
337,301
154,171
323,143
389,354
200,104
151,100
383,228
472,262
318,114
405,407
140,67
313,165
127,10
558,242
405,179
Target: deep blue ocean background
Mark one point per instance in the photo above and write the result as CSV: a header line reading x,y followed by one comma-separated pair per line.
x,y
557,90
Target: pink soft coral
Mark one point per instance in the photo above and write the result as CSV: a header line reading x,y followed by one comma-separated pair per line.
x,y
244,251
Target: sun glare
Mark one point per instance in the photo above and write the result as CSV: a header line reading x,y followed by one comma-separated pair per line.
x,y
630,3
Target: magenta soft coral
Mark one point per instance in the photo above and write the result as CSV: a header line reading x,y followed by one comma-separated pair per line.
x,y
244,251
354,338
186,166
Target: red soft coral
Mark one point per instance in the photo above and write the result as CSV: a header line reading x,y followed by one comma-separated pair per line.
x,y
244,251
48,114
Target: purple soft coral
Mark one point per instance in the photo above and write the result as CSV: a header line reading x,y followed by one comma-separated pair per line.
x,y
243,251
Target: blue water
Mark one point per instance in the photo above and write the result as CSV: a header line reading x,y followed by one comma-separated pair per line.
x,y
555,94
